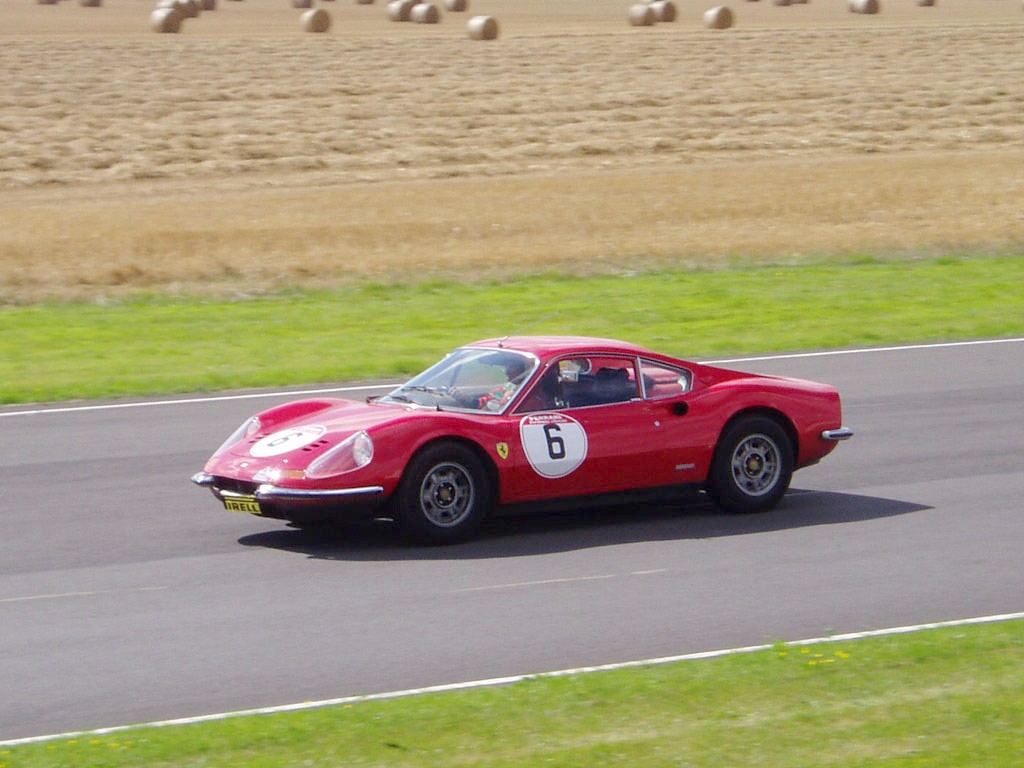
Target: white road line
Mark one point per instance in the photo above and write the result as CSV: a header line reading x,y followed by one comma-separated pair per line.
x,y
57,595
541,582
868,350
496,681
192,400
514,584
385,385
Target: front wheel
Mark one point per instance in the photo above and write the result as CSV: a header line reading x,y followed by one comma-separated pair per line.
x,y
444,495
752,467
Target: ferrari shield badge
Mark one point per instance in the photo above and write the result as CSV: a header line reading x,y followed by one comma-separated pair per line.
x,y
502,450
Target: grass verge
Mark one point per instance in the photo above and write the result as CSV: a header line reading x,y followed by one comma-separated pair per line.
x,y
936,698
160,345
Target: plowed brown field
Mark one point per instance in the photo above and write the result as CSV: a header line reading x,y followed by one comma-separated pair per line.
x,y
244,154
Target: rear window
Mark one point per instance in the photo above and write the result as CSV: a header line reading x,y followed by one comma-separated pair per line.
x,y
661,380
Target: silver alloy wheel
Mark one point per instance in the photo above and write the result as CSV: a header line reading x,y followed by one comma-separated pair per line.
x,y
447,494
756,465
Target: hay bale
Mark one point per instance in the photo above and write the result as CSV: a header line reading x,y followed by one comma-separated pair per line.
x,y
719,17
641,15
399,10
863,6
483,28
166,20
317,20
425,13
664,10
456,6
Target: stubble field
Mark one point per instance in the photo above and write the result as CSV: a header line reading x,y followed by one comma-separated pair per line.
x,y
244,155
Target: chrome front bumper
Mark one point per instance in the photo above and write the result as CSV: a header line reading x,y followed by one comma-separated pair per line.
x,y
272,493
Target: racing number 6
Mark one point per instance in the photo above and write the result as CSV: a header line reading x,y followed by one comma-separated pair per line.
x,y
556,445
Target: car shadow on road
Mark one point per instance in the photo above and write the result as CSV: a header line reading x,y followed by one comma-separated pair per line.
x,y
518,535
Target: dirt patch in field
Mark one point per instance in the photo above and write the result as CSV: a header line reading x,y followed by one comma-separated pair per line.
x,y
244,154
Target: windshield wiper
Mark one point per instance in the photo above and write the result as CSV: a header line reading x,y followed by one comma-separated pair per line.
x,y
429,390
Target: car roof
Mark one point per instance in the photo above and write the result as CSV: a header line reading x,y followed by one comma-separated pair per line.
x,y
551,346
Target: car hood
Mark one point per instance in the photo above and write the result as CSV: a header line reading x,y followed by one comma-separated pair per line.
x,y
292,436
310,428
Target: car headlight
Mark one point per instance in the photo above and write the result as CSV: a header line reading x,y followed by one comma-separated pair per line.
x,y
352,453
249,428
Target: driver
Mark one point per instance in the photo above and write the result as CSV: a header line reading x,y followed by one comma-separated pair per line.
x,y
496,398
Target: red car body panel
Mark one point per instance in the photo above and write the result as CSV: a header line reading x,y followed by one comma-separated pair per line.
x,y
661,437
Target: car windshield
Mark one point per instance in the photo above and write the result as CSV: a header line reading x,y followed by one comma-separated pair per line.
x,y
471,378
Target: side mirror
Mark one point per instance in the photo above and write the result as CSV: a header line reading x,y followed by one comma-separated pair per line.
x,y
680,408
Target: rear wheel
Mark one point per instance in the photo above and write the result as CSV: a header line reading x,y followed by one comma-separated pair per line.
x,y
444,495
753,465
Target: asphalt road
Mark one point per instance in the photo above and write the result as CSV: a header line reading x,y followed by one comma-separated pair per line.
x,y
128,595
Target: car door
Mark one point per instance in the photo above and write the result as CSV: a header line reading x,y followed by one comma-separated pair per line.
x,y
684,435
596,436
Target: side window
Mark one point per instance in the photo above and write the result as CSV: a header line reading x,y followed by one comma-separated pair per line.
x,y
586,381
661,380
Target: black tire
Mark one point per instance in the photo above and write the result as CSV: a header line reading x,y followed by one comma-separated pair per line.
x,y
444,495
753,465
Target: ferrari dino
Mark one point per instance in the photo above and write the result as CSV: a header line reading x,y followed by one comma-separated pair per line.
x,y
527,421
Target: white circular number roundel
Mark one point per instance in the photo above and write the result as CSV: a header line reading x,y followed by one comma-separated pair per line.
x,y
555,444
286,440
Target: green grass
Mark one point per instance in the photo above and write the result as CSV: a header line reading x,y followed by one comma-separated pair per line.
x,y
160,345
946,697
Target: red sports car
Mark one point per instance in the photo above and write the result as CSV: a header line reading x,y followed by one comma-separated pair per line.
x,y
506,423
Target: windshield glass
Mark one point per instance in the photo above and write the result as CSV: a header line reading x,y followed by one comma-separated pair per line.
x,y
474,379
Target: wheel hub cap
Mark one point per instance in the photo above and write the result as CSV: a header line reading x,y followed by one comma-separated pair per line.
x,y
756,465
447,495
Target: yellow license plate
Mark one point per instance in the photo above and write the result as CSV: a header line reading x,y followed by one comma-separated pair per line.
x,y
247,504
